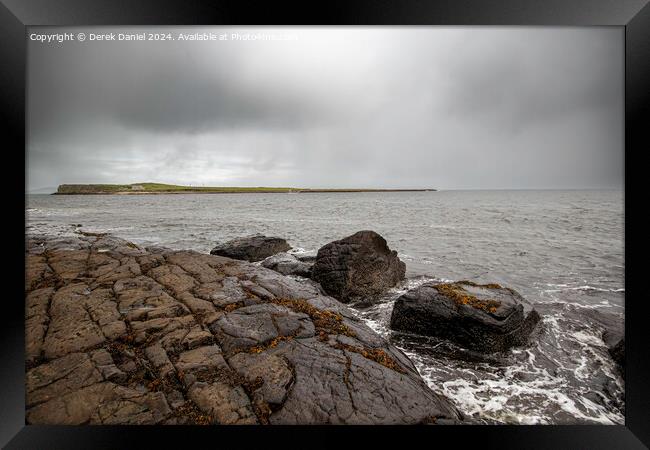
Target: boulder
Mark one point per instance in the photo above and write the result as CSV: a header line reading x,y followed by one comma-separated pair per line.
x,y
251,248
615,342
617,351
358,267
486,318
287,264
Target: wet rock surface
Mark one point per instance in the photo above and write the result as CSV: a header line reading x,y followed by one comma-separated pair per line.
x,y
617,351
485,318
357,267
251,248
287,264
118,334
615,341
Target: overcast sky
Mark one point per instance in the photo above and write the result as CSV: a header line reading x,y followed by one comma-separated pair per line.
x,y
446,108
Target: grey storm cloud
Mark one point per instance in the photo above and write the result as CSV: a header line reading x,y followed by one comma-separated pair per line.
x,y
481,107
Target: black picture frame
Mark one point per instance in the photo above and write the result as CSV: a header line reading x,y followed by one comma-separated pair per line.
x,y
16,15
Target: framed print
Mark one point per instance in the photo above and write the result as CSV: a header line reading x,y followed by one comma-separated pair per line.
x,y
251,221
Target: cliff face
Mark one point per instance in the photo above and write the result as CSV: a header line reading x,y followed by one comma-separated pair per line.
x,y
118,334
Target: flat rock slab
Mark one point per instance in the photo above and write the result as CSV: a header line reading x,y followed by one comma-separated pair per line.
x,y
251,248
486,318
102,403
359,267
117,334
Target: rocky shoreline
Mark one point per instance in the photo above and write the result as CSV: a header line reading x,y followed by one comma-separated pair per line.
x,y
249,334
119,334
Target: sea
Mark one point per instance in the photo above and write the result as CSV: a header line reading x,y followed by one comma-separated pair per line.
x,y
562,250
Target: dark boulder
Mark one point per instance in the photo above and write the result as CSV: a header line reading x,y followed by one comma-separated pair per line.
x,y
358,267
618,352
486,318
251,248
287,264
615,342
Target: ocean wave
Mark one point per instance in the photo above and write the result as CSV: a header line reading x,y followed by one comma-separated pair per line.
x,y
301,251
550,382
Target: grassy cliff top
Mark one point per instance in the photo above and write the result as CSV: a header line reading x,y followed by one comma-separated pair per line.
x,y
159,188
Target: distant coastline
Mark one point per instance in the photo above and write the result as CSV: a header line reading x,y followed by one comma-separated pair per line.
x,y
159,188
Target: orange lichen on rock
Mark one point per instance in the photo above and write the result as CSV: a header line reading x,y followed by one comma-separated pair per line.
x,y
233,306
460,296
326,322
271,344
192,415
374,354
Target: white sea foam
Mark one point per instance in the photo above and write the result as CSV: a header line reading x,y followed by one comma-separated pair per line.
x,y
301,251
584,288
528,390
